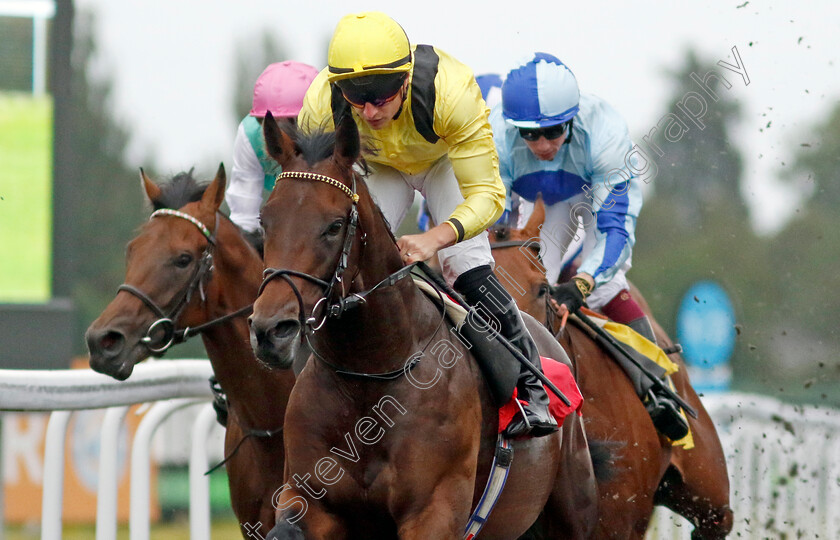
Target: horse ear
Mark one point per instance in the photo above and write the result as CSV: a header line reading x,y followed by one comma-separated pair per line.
x,y
532,228
215,192
347,142
279,145
150,189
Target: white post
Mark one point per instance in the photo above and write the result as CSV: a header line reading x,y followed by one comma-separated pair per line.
x,y
53,494
39,55
108,481
138,524
199,483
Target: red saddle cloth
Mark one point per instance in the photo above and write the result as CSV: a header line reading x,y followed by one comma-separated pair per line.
x,y
561,376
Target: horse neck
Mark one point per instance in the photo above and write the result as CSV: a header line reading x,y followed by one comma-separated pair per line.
x,y
386,326
257,394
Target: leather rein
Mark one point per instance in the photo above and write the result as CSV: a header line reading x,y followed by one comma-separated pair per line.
x,y
198,280
533,246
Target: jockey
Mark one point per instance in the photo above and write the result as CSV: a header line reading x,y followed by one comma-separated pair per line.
x,y
279,89
573,149
490,85
422,111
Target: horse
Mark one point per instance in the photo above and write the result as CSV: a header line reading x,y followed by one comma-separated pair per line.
x,y
649,471
390,428
192,267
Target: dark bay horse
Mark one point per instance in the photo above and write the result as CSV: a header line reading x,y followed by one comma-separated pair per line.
x,y
390,429
648,471
200,272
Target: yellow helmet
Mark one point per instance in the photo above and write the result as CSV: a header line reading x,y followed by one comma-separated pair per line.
x,y
368,43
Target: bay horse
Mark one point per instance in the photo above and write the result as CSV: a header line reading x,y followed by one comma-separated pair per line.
x,y
649,471
390,429
193,267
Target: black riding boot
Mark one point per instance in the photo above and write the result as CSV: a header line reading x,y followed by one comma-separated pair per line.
x,y
482,290
663,410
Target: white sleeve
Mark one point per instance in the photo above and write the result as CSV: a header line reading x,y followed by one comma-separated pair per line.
x,y
244,191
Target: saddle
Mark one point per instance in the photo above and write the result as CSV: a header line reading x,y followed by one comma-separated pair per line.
x,y
497,363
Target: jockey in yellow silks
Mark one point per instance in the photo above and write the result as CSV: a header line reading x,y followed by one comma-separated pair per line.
x,y
422,112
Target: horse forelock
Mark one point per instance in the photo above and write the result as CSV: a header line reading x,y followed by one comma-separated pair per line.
x,y
180,190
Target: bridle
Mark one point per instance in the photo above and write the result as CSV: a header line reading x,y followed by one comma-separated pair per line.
x,y
534,246
166,321
334,307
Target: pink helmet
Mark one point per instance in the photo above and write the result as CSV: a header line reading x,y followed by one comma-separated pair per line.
x,y
281,87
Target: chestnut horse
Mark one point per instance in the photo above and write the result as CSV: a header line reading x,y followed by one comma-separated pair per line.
x,y
169,266
649,471
390,430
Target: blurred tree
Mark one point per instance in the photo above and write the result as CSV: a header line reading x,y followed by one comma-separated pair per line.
x,y
820,162
109,203
805,253
695,224
701,173
252,57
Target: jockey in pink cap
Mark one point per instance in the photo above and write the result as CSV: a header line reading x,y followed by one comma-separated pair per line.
x,y
279,89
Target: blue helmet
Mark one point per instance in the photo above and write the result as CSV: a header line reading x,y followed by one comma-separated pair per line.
x,y
539,93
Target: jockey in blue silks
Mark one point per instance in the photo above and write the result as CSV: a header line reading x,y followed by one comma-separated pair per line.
x,y
576,151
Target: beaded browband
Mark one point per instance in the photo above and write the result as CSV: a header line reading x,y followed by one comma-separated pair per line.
x,y
321,178
169,212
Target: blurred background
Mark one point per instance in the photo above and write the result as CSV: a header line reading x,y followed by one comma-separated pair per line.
x,y
91,90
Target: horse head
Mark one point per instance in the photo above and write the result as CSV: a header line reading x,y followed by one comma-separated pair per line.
x,y
168,266
517,253
315,222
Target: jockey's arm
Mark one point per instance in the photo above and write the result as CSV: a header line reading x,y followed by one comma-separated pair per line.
x,y
464,125
245,187
614,195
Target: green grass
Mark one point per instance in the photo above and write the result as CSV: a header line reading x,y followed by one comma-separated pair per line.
x,y
179,530
25,197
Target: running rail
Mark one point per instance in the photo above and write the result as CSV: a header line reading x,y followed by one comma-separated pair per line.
x,y
173,385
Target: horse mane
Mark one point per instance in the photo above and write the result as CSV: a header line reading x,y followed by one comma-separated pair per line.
x,y
180,190
319,145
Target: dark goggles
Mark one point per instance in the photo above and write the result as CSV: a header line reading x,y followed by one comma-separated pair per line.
x,y
374,89
551,132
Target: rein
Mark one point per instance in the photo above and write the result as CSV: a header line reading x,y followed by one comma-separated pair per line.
x,y
534,246
166,322
343,303
530,244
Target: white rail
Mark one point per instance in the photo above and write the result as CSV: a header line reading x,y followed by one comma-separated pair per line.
x,y
784,460
784,469
173,385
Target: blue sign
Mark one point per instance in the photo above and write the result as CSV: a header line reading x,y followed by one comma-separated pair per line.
x,y
706,331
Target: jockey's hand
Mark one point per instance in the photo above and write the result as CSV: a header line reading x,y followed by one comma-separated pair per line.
x,y
570,296
421,247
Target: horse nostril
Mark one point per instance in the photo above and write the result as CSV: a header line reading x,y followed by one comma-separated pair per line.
x,y
286,328
112,342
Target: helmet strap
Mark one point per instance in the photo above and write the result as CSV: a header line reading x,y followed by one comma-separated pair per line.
x,y
569,131
403,94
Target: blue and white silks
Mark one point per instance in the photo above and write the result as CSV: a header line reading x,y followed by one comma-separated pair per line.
x,y
588,178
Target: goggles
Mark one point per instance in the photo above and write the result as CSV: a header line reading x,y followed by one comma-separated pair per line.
x,y
550,133
374,89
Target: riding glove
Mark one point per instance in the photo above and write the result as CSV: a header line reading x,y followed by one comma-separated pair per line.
x,y
571,293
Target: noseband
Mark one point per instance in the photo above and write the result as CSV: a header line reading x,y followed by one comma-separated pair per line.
x,y
202,273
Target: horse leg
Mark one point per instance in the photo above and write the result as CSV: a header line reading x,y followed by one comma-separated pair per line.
x,y
572,508
299,517
696,485
445,515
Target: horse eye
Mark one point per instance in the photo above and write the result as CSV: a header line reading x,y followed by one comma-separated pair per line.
x,y
335,227
543,290
183,260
